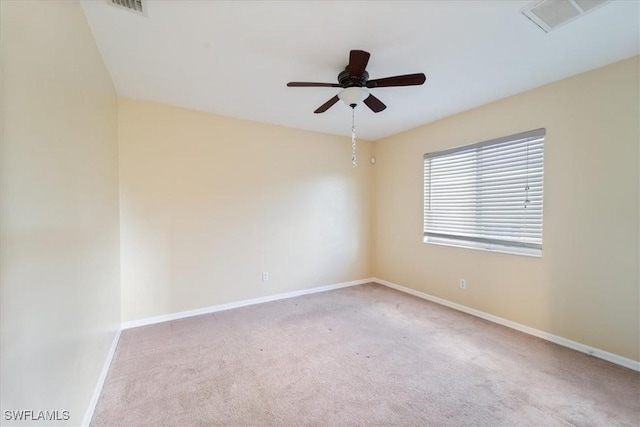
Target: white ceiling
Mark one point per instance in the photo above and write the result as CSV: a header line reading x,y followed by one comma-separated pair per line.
x,y
234,58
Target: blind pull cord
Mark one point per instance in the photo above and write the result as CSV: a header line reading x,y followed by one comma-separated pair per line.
x,y
526,188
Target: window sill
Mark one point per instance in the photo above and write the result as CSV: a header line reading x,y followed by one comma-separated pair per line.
x,y
534,253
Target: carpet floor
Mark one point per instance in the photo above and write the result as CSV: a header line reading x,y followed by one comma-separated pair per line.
x,y
358,356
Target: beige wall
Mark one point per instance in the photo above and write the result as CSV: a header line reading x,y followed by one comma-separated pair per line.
x,y
59,259
585,286
208,203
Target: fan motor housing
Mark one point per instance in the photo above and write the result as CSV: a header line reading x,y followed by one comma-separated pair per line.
x,y
346,80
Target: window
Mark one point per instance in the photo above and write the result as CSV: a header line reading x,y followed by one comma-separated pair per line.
x,y
487,195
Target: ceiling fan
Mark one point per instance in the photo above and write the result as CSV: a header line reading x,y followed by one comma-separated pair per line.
x,y
355,81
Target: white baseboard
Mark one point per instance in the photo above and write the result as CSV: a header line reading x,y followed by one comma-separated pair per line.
x,y
591,351
103,376
215,308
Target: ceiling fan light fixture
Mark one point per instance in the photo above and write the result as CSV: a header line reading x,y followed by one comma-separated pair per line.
x,y
353,96
355,81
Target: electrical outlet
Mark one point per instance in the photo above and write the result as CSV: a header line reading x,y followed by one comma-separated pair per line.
x,y
463,284
265,276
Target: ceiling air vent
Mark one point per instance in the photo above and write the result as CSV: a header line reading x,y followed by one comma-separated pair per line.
x,y
137,6
550,14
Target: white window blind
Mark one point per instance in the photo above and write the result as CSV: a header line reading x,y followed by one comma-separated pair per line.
x,y
487,195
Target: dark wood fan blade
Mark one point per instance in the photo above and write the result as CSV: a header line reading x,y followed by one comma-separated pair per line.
x,y
374,104
324,107
312,84
358,60
406,80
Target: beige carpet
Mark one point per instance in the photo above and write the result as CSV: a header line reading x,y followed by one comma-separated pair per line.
x,y
365,355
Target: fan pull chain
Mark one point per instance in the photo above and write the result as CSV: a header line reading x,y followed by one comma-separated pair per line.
x,y
354,160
